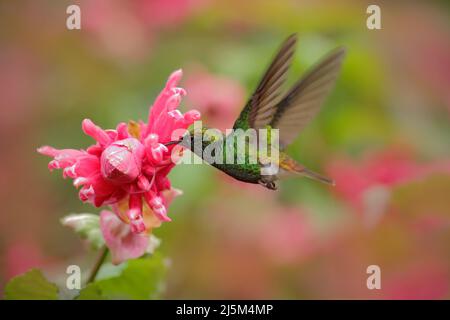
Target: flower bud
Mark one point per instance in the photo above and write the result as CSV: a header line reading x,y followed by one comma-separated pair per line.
x,y
121,161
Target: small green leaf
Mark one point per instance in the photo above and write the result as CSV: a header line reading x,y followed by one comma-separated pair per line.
x,y
31,286
140,279
87,225
91,292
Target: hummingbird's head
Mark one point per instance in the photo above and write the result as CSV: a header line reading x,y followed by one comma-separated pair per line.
x,y
193,134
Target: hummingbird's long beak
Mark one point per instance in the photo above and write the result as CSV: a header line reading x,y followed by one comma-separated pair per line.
x,y
173,142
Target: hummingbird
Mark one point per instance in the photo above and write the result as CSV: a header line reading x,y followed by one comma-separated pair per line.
x,y
269,107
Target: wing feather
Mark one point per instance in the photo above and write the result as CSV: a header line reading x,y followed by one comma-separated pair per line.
x,y
261,106
303,100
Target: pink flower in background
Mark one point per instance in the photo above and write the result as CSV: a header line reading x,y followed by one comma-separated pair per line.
x,y
219,99
116,31
410,52
21,256
162,13
426,279
127,30
288,236
127,167
368,182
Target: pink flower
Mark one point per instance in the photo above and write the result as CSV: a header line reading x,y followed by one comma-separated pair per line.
x,y
123,243
127,167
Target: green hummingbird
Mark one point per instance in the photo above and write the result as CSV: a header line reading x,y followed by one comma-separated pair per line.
x,y
268,108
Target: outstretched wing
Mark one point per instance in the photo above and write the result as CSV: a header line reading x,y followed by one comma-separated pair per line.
x,y
303,101
261,106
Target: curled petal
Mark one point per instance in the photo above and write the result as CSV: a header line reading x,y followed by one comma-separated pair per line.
x,y
151,140
96,132
112,134
135,214
157,153
173,102
53,165
157,205
86,166
191,116
104,192
135,205
87,193
138,225
154,149
95,150
80,181
179,91
122,131
160,105
143,183
70,171
176,114
49,151
174,78
62,157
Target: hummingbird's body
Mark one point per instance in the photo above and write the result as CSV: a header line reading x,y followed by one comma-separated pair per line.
x,y
241,170
250,173
268,108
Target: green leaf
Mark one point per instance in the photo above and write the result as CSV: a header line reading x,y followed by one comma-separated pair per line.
x,y
31,286
87,225
91,292
140,279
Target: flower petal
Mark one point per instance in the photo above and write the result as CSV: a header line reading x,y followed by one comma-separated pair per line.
x,y
121,241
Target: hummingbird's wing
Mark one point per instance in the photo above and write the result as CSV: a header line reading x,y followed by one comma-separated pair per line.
x,y
261,106
302,102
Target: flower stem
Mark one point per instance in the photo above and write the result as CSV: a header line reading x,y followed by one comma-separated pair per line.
x,y
98,263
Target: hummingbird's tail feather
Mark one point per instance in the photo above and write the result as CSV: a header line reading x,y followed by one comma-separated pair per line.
x,y
316,176
289,166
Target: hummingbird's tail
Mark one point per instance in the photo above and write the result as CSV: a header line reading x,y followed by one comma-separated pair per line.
x,y
289,165
315,176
